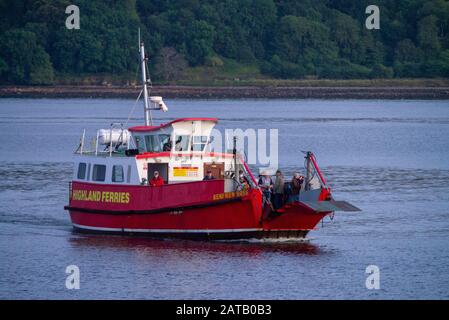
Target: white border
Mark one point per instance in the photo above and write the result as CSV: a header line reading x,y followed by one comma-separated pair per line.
x,y
167,230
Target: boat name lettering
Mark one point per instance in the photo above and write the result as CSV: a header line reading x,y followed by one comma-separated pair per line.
x,y
229,195
101,196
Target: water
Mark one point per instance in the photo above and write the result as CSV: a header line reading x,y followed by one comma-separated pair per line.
x,y
390,158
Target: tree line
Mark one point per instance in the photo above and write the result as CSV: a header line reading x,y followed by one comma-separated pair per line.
x,y
288,39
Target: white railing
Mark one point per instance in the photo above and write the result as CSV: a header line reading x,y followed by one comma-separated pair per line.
x,y
111,141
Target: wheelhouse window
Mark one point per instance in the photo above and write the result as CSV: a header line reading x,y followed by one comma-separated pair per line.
x,y
199,143
99,172
153,144
165,142
182,143
82,171
140,143
157,142
118,174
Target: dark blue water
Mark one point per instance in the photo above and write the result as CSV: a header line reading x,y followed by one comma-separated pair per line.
x,y
390,158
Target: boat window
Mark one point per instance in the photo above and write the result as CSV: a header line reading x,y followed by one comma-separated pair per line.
x,y
99,172
157,142
152,143
165,142
199,142
140,143
82,170
182,143
117,174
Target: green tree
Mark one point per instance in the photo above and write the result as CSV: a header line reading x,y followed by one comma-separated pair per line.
x,y
381,71
169,65
406,51
65,49
428,35
304,42
437,66
90,53
26,61
346,34
199,40
286,38
225,43
283,69
41,69
3,67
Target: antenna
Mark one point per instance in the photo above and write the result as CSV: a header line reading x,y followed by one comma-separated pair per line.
x,y
148,120
155,103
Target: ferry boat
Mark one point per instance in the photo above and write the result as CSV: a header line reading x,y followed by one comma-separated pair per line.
x,y
112,190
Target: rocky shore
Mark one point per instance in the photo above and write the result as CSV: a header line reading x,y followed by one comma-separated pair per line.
x,y
270,92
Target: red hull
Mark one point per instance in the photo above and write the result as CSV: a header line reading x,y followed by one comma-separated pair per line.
x,y
188,210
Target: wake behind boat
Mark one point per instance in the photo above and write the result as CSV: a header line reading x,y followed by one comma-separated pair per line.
x,y
164,180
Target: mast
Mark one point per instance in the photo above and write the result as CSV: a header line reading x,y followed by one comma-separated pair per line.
x,y
308,170
147,111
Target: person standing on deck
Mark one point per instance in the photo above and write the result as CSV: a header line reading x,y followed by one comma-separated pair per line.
x,y
243,184
266,185
278,190
242,176
296,185
157,180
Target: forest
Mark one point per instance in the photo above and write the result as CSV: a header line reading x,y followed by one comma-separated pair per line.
x,y
274,39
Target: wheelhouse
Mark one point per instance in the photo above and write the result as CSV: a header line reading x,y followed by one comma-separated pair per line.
x,y
179,150
181,136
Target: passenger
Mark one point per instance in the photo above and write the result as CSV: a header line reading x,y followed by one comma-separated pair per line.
x,y
296,185
278,190
178,146
167,146
242,176
209,176
266,184
243,186
157,180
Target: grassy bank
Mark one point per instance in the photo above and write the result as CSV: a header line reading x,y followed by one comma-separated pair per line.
x,y
199,80
233,80
234,74
329,83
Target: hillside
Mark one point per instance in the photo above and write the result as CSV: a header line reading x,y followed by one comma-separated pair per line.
x,y
221,42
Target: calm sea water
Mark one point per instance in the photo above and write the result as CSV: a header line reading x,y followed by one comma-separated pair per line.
x,y
390,158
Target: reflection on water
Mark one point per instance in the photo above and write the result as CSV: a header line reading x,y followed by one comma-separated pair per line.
x,y
389,158
182,247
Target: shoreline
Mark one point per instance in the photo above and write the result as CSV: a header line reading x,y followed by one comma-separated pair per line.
x,y
234,92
